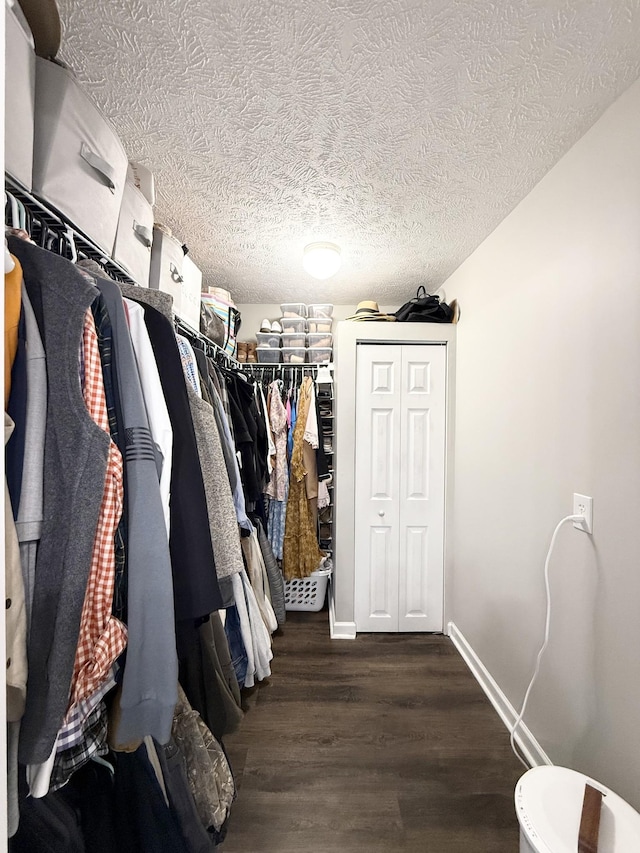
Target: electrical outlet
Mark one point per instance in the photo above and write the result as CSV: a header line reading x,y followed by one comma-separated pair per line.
x,y
583,505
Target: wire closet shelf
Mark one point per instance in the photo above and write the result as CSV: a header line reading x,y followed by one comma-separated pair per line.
x,y
51,230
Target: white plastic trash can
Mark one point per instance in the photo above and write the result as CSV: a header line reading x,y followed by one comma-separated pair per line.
x,y
549,807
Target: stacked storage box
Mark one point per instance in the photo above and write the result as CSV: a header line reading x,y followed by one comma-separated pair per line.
x,y
79,164
294,332
306,333
19,96
60,146
134,236
319,336
268,350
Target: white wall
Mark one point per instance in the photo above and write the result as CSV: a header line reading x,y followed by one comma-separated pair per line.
x,y
548,403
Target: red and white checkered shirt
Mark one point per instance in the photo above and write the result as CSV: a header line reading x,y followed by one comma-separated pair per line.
x,y
102,637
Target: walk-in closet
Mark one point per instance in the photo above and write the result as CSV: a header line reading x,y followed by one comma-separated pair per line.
x,y
321,426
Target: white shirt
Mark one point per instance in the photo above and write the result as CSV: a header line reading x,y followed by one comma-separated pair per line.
x,y
155,404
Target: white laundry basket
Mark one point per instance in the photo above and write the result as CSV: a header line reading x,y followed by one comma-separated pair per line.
x,y
307,593
548,803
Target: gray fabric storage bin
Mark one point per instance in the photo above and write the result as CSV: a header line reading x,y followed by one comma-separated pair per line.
x,y
79,164
19,99
165,272
132,247
175,273
190,293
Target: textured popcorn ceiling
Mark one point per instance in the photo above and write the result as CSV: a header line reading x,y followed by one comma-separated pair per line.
x,y
404,130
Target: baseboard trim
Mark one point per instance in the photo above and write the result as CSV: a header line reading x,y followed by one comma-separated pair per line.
x,y
339,630
530,747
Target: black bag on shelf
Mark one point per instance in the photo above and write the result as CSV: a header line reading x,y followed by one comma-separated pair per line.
x,y
424,308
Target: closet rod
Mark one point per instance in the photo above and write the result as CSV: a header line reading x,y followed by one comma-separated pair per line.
x,y
62,228
83,247
215,349
256,365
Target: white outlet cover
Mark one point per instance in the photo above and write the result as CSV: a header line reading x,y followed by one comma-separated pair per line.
x,y
583,505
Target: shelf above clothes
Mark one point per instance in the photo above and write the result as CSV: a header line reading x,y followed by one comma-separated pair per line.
x,y
50,230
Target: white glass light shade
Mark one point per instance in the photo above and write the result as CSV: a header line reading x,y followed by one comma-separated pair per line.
x,y
321,260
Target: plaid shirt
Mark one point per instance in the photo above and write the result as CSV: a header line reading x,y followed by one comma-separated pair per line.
x,y
72,731
93,743
102,637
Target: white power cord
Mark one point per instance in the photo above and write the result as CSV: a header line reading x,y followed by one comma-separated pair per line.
x,y
579,518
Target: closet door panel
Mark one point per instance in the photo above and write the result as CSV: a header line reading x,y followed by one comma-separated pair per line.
x,y
377,487
413,580
421,505
382,604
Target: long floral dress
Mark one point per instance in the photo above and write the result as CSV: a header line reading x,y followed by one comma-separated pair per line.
x,y
301,553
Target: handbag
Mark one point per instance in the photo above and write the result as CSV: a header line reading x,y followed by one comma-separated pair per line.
x,y
424,308
212,326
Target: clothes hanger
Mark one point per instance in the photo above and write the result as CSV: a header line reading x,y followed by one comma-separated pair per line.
x,y
9,263
100,760
22,215
69,238
13,203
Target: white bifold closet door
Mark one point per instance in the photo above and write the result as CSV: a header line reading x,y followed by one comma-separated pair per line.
x,y
399,487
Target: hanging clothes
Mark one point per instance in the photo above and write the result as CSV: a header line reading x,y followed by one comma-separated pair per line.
x,y
75,460
155,404
231,462
16,648
257,573
12,308
189,366
102,637
149,689
301,553
30,514
276,488
223,524
195,585
94,473
274,574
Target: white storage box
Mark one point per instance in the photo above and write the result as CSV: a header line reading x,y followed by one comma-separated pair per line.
x,y
132,248
79,164
324,340
175,273
293,309
307,593
143,180
268,355
294,355
319,324
19,97
190,293
290,325
324,311
294,339
268,339
319,355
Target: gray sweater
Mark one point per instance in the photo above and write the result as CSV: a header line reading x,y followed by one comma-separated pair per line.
x,y
75,463
223,524
150,681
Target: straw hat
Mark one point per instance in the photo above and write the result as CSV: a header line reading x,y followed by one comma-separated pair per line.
x,y
370,311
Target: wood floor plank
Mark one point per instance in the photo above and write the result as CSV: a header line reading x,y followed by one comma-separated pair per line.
x,y
384,743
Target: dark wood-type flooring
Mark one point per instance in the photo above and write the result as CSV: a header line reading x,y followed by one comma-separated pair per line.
x,y
385,743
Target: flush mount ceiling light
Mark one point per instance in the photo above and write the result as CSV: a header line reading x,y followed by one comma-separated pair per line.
x,y
321,260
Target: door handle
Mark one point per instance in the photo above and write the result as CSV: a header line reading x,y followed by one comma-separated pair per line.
x,y
381,513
